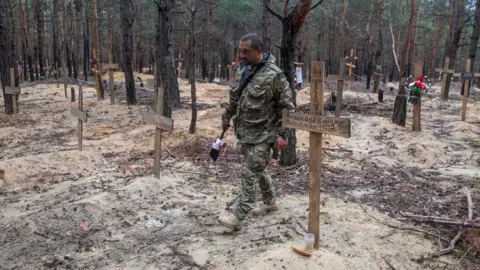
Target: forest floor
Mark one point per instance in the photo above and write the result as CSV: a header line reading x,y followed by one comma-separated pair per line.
x,y
103,209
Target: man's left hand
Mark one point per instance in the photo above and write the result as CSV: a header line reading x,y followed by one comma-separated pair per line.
x,y
281,143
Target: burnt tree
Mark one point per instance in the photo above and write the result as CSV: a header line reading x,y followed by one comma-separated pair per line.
x,y
291,21
128,17
191,62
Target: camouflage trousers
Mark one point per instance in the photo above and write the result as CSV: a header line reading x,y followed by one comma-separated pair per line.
x,y
257,158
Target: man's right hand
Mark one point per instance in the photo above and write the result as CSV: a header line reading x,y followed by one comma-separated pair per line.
x,y
225,125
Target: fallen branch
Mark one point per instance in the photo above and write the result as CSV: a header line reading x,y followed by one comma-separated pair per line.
x,y
468,193
443,221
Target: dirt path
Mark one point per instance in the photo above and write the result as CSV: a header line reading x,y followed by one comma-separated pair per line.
x,y
101,208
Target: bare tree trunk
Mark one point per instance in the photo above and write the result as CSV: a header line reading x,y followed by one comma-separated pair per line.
x,y
56,55
400,107
454,40
28,43
191,64
5,51
266,26
86,45
368,45
40,26
66,40
74,41
128,17
96,51
166,71
378,54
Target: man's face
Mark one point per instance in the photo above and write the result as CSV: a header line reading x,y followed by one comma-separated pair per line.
x,y
249,55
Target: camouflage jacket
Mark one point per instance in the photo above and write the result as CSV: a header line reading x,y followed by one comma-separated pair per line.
x,y
258,109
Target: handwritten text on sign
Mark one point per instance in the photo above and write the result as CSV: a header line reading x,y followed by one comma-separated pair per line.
x,y
317,123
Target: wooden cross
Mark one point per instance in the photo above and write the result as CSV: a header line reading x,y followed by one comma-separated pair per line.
x,y
111,67
80,115
161,123
14,92
417,107
350,65
467,76
316,124
445,71
340,80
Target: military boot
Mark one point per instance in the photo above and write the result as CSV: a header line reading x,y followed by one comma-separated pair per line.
x,y
264,209
230,221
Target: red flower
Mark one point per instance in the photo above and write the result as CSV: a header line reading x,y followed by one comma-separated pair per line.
x,y
419,85
420,78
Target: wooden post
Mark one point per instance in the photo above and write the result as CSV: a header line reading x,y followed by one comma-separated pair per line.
x,y
445,71
81,116
340,81
179,66
161,123
417,107
113,95
350,65
111,67
14,92
72,94
467,76
65,81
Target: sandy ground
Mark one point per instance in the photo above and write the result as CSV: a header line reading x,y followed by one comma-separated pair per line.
x,y
102,209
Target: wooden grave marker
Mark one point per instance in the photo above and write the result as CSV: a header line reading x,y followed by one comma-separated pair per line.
x,y
161,123
111,67
317,125
65,81
350,65
417,107
14,92
445,71
467,76
80,115
340,81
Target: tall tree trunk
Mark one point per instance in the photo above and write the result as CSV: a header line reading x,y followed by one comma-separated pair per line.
x,y
368,45
86,45
472,52
165,60
456,29
66,40
266,26
40,26
56,50
128,17
413,40
191,63
74,41
28,43
378,54
96,51
433,49
6,52
210,47
291,23
400,107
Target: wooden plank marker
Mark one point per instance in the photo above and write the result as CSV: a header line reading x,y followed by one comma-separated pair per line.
x,y
417,107
161,123
445,71
340,81
65,81
14,92
111,67
317,125
350,65
80,115
467,76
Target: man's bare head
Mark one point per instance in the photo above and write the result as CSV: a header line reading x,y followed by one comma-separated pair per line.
x,y
251,49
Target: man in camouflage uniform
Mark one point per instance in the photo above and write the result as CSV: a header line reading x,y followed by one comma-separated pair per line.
x,y
257,103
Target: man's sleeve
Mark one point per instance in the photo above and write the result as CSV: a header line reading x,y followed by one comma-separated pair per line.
x,y
283,97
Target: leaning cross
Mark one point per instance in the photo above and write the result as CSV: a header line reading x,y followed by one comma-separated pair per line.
x,y
316,124
340,80
80,115
445,71
161,123
350,65
14,92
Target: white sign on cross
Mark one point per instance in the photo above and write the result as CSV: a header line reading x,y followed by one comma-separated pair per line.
x,y
316,124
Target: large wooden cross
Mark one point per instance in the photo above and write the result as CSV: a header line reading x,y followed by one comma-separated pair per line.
x,y
111,67
14,92
161,123
340,78
417,107
350,65
317,125
80,115
445,71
